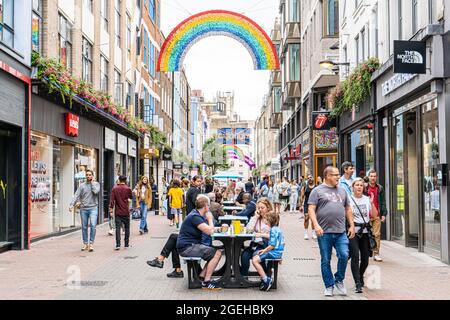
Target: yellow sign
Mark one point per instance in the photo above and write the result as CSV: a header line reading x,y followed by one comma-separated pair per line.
x,y
148,153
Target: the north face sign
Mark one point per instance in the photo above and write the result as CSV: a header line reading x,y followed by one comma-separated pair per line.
x,y
410,57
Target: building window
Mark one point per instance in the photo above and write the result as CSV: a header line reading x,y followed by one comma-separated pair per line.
x,y
358,58
400,19
363,44
145,58
431,11
277,100
129,36
88,4
117,88
36,28
415,16
294,11
151,9
151,60
65,42
87,61
117,24
331,13
294,62
104,14
7,22
375,45
103,74
129,95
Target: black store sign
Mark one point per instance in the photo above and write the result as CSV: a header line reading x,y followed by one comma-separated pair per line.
x,y
167,155
410,57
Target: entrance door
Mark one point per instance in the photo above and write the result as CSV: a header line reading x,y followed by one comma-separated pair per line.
x,y
3,189
406,188
323,161
108,178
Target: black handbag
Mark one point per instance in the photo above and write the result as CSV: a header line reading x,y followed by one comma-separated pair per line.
x,y
372,242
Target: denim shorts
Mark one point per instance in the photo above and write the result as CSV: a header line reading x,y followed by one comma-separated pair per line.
x,y
265,256
199,251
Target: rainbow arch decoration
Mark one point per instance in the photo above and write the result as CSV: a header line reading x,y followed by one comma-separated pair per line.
x,y
218,23
235,152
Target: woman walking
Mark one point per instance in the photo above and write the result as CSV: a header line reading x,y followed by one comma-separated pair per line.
x,y
276,196
363,208
284,193
293,200
144,199
305,192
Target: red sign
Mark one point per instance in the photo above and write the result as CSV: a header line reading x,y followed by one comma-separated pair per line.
x,y
321,119
72,125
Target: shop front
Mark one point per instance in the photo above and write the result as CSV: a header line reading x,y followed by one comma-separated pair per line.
x,y
356,131
325,142
14,113
61,152
413,153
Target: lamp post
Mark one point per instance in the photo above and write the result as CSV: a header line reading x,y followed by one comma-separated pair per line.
x,y
333,66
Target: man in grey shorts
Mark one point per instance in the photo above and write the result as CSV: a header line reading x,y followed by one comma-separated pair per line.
x,y
198,224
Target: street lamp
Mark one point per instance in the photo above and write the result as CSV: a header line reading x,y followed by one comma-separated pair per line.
x,y
333,66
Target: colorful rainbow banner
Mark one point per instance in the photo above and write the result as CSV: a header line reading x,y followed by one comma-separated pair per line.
x,y
235,152
214,23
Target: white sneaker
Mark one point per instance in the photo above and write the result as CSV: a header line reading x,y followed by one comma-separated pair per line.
x,y
306,237
314,236
328,292
340,288
111,232
377,258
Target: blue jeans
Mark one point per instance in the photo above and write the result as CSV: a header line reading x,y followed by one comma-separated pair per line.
x,y
143,225
89,217
326,243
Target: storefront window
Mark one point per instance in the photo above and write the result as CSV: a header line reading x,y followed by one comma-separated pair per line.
x,y
362,151
432,178
57,169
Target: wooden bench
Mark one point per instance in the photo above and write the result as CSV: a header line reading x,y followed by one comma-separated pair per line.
x,y
194,269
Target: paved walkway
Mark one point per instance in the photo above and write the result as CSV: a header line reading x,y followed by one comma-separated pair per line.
x,y
47,270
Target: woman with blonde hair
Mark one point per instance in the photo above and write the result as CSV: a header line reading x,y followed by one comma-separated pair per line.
x,y
143,202
259,224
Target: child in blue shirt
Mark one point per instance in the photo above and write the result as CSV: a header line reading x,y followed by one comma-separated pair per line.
x,y
273,251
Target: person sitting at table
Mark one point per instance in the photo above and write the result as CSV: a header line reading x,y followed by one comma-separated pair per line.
x,y
215,208
250,207
239,198
273,251
261,228
190,240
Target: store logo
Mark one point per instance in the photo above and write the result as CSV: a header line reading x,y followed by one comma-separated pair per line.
x,y
320,121
72,125
411,57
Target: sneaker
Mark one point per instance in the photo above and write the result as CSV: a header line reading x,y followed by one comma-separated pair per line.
x,y
314,236
91,247
156,263
340,288
85,247
377,258
211,285
306,237
117,248
267,284
328,292
358,288
141,232
175,274
146,231
127,246
362,282
111,232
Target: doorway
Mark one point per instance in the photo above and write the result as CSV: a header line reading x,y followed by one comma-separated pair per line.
x,y
108,180
405,177
10,186
323,161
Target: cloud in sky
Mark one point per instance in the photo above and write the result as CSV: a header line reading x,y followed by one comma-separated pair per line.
x,y
221,63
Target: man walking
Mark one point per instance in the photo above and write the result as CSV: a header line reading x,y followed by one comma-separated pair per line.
x,y
192,193
346,180
190,240
120,195
329,205
87,195
376,192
